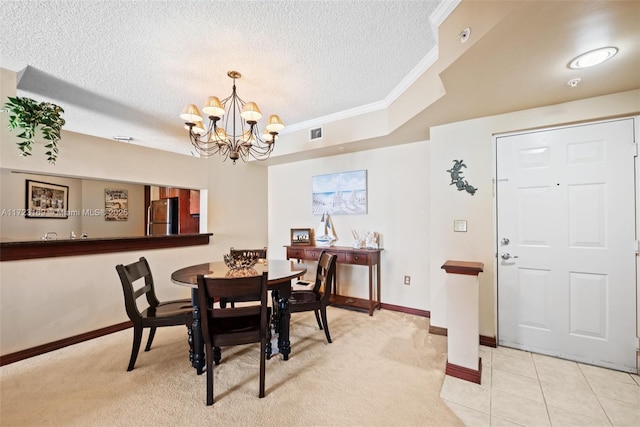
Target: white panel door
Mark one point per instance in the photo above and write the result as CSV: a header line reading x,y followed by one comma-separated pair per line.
x,y
566,235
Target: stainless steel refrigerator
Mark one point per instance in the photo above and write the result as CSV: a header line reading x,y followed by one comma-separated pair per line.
x,y
163,217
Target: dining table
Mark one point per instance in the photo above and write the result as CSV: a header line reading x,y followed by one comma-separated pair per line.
x,y
279,276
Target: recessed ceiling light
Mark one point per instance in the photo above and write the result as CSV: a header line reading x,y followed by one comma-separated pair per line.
x,y
593,57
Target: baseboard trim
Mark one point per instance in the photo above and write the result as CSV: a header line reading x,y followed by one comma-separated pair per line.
x,y
463,373
482,340
488,341
437,330
414,311
56,345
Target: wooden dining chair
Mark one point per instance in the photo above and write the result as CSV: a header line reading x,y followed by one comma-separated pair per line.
x,y
157,314
230,326
317,298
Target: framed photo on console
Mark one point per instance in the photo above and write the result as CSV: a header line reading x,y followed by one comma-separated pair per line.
x,y
300,236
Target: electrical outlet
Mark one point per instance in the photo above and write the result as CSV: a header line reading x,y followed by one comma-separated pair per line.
x,y
407,280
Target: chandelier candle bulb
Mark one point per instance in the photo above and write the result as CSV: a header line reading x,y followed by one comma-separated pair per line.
x,y
241,119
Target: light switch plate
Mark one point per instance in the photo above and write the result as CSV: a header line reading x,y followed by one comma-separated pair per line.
x,y
460,225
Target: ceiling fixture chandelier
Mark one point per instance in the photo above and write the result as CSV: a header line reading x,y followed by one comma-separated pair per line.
x,y
240,137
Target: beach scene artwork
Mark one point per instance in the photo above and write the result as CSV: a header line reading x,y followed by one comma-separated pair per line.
x,y
342,193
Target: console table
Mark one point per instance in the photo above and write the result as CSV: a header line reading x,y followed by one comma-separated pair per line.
x,y
346,255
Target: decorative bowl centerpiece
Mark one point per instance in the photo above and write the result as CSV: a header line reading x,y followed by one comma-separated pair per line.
x,y
237,262
242,272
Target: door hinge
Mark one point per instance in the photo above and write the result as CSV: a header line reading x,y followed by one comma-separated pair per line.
x,y
637,248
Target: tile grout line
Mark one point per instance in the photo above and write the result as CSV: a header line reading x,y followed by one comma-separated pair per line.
x,y
595,394
544,398
491,398
491,389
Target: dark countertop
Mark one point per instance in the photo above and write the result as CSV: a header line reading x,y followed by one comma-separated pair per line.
x,y
19,250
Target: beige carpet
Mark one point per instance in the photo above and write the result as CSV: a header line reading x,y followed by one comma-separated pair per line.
x,y
380,371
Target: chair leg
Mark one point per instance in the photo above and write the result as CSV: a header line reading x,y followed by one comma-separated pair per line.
x,y
318,318
268,350
152,333
209,376
323,311
217,355
137,339
262,367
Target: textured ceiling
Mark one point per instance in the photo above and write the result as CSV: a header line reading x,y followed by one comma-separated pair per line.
x,y
128,67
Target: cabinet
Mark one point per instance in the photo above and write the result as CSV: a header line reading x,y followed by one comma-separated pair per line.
x,y
347,255
194,202
189,222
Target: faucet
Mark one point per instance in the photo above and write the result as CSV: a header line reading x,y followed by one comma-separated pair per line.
x,y
50,235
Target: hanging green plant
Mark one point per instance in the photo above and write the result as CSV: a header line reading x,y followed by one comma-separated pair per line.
x,y
29,115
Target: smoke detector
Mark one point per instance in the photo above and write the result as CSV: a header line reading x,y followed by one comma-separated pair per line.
x,y
464,35
574,82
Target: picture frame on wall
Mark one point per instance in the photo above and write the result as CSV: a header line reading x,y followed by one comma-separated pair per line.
x,y
343,193
45,200
300,236
116,205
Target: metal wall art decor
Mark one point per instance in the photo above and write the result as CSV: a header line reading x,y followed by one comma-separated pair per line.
x,y
458,179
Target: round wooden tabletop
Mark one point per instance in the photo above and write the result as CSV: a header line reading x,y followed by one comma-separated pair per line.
x,y
278,271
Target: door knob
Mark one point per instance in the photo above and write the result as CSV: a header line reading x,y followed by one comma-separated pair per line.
x,y
507,255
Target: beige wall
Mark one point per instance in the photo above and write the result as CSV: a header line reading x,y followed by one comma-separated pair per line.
x,y
410,203
398,209
413,205
44,300
473,141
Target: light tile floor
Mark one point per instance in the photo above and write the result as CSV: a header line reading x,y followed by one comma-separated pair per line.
x,y
525,389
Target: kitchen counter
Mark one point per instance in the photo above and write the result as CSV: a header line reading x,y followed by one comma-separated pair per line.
x,y
13,251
